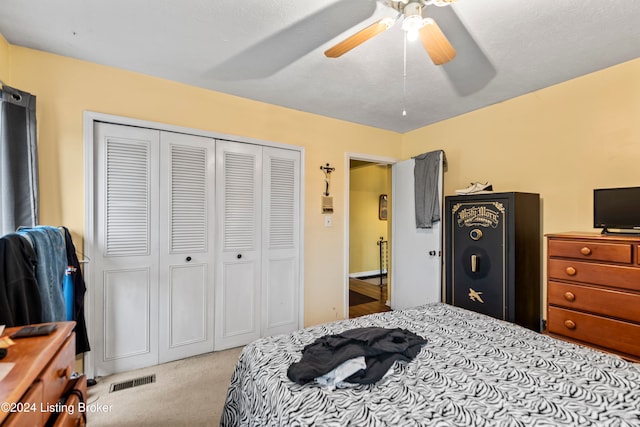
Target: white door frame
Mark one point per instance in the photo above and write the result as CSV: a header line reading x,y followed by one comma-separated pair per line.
x,y
347,162
89,119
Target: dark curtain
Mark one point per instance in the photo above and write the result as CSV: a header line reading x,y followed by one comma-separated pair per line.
x,y
18,160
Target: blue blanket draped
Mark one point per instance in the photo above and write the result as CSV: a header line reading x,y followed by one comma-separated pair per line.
x,y
49,245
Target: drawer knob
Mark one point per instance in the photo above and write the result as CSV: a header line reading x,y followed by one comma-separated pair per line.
x,y
64,372
571,271
570,324
585,251
569,296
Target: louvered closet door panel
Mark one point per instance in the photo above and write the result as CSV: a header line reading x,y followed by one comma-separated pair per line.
x,y
125,267
280,247
239,195
186,245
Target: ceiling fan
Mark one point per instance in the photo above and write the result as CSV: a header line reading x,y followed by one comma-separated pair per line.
x,y
413,23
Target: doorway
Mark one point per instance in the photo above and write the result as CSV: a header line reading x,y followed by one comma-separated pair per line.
x,y
369,232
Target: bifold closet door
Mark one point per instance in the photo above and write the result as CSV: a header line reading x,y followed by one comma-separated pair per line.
x,y
125,262
197,245
154,249
238,237
186,282
280,243
258,274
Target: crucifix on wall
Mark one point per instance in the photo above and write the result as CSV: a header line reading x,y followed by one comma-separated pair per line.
x,y
327,201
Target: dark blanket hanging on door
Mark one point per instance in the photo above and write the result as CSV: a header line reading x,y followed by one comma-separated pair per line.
x,y
426,174
79,289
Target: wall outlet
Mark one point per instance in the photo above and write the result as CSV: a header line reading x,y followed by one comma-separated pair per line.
x,y
328,220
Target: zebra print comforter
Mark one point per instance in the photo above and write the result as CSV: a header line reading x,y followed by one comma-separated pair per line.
x,y
473,371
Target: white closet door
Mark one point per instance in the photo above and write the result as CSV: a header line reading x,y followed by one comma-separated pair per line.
x,y
125,264
186,246
280,243
239,196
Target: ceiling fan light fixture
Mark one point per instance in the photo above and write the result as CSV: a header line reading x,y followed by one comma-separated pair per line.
x,y
413,35
412,23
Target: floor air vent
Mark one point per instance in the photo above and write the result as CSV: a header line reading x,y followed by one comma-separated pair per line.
x,y
133,383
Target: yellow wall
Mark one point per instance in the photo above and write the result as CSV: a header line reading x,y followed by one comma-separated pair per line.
x,y
366,184
561,142
4,60
66,87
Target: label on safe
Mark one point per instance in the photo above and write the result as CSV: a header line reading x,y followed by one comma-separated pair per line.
x,y
483,216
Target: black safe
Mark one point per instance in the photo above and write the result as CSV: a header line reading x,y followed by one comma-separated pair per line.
x,y
493,244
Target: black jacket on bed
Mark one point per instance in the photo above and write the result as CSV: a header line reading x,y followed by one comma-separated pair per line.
x,y
380,347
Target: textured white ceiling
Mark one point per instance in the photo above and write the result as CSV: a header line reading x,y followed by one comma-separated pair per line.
x,y
272,50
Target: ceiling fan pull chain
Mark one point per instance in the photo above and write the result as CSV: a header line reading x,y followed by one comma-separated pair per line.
x,y
404,76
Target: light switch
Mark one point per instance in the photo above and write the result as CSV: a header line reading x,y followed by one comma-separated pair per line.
x,y
328,220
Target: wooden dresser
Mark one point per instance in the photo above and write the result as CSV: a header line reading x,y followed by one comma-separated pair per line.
x,y
593,291
37,390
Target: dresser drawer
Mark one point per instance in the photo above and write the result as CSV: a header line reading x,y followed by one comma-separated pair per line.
x,y
55,377
27,412
73,416
589,272
596,251
608,333
608,302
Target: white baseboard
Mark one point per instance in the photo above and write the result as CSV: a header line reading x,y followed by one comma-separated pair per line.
x,y
367,273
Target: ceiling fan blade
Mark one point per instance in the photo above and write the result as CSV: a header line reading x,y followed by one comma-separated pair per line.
x,y
436,43
360,37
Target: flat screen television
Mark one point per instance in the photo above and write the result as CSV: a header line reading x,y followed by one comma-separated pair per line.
x,y
616,208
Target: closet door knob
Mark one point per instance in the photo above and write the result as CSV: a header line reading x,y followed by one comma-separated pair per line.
x,y
571,271
239,256
569,296
188,259
570,324
585,251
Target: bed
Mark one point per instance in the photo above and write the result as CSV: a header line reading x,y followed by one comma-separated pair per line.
x,y
473,371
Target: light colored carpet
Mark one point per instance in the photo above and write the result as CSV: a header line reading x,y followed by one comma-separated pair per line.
x,y
188,392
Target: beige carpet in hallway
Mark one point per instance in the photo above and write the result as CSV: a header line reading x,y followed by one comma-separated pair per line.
x,y
189,392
